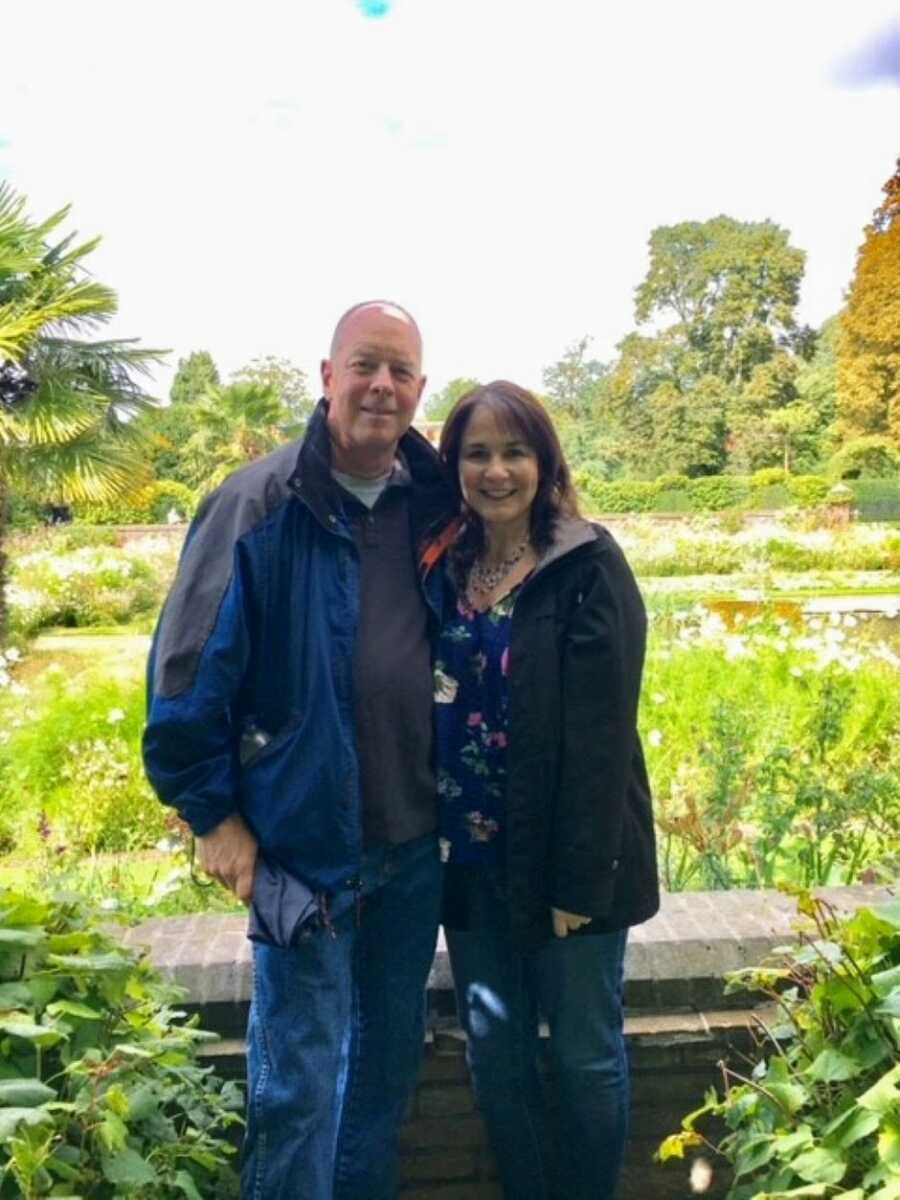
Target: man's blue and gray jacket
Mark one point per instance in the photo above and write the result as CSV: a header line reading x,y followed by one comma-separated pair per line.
x,y
250,706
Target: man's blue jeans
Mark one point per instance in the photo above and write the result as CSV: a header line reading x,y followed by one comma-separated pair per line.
x,y
335,1038
576,984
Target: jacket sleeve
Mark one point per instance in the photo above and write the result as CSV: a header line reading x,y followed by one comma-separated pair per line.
x,y
197,664
602,661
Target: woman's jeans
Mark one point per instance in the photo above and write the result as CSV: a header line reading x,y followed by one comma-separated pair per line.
x,y
336,1035
576,984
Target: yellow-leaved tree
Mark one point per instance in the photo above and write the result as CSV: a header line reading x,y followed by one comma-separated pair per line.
x,y
868,349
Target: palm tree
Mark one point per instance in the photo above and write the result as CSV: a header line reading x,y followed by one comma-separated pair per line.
x,y
235,423
66,401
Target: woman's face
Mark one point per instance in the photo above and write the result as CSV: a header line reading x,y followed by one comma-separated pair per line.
x,y
498,470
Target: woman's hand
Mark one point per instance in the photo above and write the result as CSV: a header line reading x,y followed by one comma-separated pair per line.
x,y
564,921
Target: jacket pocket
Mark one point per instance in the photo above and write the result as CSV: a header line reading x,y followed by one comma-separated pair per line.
x,y
258,743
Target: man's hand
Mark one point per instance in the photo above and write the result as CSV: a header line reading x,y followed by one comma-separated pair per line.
x,y
228,854
564,921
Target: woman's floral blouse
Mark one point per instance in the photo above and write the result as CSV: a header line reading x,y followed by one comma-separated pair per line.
x,y
471,702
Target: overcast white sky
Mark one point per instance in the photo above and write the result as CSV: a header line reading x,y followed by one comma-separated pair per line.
x,y
494,165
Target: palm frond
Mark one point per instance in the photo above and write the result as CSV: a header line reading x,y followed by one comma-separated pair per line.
x,y
86,469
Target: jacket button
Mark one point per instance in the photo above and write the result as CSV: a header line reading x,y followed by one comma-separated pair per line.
x,y
332,519
615,864
352,882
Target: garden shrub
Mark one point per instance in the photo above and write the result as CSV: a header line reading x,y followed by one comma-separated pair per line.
x,y
873,456
818,1111
767,477
101,1093
149,505
713,492
671,500
772,498
71,776
672,482
877,499
807,490
88,585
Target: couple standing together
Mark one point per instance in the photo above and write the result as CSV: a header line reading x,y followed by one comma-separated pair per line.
x,y
390,688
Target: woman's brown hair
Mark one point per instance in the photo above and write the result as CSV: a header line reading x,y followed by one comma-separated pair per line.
x,y
517,409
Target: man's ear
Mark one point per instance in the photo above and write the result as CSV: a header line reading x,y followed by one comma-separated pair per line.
x,y
422,383
326,371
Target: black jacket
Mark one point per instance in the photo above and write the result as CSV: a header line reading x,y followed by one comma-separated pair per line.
x,y
579,825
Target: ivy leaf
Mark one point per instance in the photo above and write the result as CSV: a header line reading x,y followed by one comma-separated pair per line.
x,y
790,1096
128,1168
92,963
884,1094
885,981
74,1008
850,1127
26,938
890,1006
25,1093
754,1153
23,1027
831,1066
675,1145
889,1144
12,1118
183,1180
822,1165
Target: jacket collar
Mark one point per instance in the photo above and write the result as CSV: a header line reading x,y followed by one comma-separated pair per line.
x,y
312,482
570,533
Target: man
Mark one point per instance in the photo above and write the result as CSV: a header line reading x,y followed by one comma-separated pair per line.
x,y
290,724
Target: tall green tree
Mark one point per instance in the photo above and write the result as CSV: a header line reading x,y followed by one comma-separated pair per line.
x,y
868,368
68,399
439,404
721,296
572,385
195,374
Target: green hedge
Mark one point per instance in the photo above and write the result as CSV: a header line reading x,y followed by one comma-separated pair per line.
x,y
150,505
876,499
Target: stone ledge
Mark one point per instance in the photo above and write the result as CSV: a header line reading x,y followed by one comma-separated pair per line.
x,y
674,961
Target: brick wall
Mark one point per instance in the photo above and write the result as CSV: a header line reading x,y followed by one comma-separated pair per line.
x,y
678,1027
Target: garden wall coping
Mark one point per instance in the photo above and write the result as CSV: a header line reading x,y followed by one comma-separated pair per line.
x,y
674,961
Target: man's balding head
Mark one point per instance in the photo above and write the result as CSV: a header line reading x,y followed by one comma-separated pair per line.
x,y
372,381
387,306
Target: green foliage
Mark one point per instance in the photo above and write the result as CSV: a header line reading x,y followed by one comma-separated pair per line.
x,y
101,1093
621,496
717,492
234,424
71,777
149,505
289,384
193,378
818,1114
439,404
91,585
773,748
870,457
572,385
877,499
807,490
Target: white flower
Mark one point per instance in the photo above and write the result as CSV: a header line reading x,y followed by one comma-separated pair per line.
x,y
655,737
850,621
109,904
17,689
735,647
658,698
780,645
796,672
114,716
168,845
12,654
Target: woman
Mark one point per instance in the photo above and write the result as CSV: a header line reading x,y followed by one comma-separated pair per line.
x,y
547,830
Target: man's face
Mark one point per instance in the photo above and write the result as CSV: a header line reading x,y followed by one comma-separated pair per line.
x,y
374,380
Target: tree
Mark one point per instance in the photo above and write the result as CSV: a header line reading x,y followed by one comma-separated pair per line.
x,y
868,367
438,404
288,382
732,286
67,403
573,383
195,374
235,423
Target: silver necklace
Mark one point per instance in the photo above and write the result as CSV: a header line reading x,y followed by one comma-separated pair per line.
x,y
485,579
